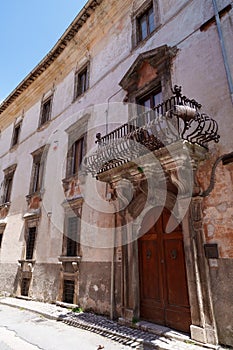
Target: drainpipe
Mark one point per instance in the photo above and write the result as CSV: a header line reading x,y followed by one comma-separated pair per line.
x,y
223,49
112,291
108,100
226,159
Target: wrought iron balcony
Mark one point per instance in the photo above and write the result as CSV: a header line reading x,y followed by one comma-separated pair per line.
x,y
178,118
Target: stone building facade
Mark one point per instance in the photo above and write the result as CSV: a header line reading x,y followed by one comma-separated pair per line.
x,y
116,188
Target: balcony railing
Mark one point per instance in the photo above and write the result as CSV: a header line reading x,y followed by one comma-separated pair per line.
x,y
177,118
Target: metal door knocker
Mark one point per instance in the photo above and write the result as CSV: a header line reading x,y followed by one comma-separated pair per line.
x,y
173,254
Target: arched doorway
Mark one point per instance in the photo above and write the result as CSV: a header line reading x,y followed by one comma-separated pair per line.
x,y
162,274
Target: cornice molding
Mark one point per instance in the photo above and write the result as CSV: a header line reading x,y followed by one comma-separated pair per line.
x,y
59,47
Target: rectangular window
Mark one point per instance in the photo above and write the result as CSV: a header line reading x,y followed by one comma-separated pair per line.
x,y
77,155
146,105
146,23
46,108
37,170
68,291
30,242
25,286
81,82
72,237
16,133
8,189
8,183
151,100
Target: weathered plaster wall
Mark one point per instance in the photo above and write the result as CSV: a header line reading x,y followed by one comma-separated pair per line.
x,y
95,287
45,282
106,40
223,300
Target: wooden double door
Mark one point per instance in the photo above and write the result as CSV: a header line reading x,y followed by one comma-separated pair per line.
x,y
162,274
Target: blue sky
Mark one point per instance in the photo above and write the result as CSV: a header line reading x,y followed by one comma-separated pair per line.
x,y
28,30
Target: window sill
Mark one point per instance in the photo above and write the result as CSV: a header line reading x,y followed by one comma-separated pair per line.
x,y
71,259
79,97
5,205
22,297
141,43
29,261
71,177
44,126
14,147
38,193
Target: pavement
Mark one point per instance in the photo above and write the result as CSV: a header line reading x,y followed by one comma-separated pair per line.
x,y
143,335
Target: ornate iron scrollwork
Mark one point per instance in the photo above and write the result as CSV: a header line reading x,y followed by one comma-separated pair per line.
x,y
177,118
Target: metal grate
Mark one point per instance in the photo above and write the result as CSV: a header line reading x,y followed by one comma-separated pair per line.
x,y
25,286
68,291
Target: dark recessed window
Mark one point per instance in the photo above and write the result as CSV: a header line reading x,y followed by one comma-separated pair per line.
x,y
16,133
30,242
146,105
46,108
68,291
151,99
146,23
81,82
1,235
25,286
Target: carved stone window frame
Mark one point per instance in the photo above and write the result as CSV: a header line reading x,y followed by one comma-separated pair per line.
x,y
74,211
38,169
137,14
47,98
7,186
29,224
76,132
83,70
16,133
159,59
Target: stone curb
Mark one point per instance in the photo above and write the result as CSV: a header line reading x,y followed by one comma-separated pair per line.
x,y
45,314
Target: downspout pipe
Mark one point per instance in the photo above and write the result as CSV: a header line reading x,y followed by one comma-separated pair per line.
x,y
213,172
223,49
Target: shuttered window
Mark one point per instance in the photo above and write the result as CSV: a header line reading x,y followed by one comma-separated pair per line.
x,y
30,243
72,236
